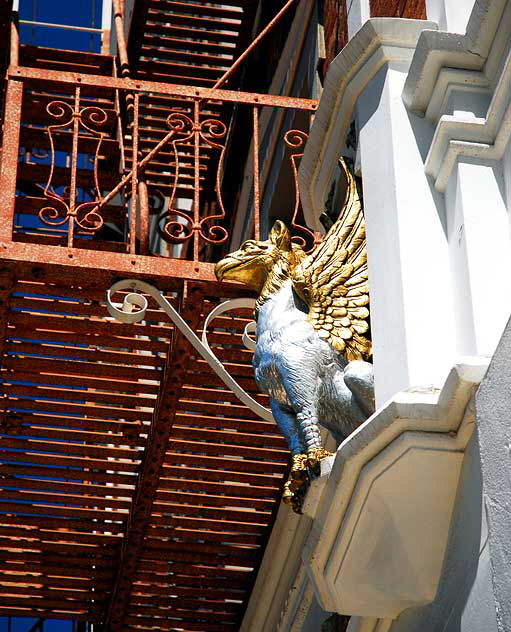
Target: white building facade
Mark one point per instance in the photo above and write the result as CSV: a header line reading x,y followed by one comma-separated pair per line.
x,y
409,529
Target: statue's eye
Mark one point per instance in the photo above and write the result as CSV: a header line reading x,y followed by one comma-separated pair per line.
x,y
257,246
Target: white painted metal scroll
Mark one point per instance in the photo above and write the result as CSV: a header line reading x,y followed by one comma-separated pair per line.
x,y
133,310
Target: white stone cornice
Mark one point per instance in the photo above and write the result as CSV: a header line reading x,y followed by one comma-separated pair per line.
x,y
462,83
439,50
482,138
380,41
378,539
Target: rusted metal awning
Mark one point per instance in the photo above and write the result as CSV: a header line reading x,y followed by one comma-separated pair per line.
x,y
133,484
187,42
136,491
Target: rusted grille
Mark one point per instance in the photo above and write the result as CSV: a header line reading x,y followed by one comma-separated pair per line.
x,y
136,491
78,186
79,395
188,42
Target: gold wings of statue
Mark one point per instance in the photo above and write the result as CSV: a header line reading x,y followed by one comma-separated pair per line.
x,y
332,280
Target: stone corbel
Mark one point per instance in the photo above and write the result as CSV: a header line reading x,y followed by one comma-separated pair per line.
x,y
380,41
380,527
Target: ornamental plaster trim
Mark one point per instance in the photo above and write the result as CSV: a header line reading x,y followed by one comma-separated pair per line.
x,y
380,41
439,50
471,66
416,419
280,580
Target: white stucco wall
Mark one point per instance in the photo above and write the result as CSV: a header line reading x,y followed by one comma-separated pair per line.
x,y
464,600
480,254
451,15
408,255
434,118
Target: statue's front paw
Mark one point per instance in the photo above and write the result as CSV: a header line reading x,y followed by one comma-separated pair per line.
x,y
299,467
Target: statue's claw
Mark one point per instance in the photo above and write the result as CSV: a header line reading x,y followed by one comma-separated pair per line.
x,y
317,455
303,468
287,496
294,497
299,467
296,486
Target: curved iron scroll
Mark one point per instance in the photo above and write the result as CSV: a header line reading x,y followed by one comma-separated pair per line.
x,y
134,299
295,139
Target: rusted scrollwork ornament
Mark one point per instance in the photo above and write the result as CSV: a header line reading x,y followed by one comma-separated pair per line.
x,y
312,345
61,208
180,226
304,237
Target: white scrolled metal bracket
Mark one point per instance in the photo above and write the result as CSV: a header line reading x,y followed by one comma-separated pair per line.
x,y
128,313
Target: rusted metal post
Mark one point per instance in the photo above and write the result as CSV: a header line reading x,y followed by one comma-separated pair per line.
x,y
118,6
15,40
74,160
134,178
255,144
143,205
122,50
11,139
196,180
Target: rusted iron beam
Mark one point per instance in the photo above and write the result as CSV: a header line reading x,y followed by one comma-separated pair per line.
x,y
143,201
255,158
10,146
172,90
15,39
154,457
36,255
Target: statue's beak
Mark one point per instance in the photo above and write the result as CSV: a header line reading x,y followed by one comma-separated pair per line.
x,y
218,271
234,268
224,265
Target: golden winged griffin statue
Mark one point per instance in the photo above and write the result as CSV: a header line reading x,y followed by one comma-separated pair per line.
x,y
312,342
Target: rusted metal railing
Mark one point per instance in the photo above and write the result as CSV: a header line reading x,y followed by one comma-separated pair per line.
x,y
71,184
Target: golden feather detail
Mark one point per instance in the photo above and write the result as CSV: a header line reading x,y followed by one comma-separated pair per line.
x,y
333,280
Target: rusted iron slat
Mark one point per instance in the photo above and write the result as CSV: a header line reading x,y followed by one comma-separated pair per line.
x,y
57,449
224,463
189,535
182,591
147,483
68,367
199,573
169,625
207,499
230,96
122,479
66,381
227,437
219,513
62,393
221,475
